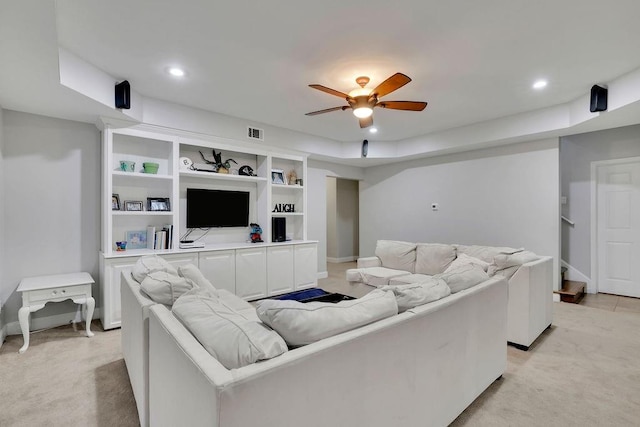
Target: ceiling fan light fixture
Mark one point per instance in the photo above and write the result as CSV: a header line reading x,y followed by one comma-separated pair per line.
x,y
362,112
361,91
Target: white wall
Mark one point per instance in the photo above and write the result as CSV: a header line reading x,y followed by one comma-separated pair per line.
x,y
507,196
51,200
318,172
576,154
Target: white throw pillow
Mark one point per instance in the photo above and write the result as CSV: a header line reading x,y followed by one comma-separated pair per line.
x,y
485,253
503,261
415,294
397,255
463,277
433,258
190,271
464,259
374,276
148,264
233,339
165,288
304,323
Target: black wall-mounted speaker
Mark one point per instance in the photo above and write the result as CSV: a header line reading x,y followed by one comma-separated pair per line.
x,y
365,148
598,98
123,95
278,229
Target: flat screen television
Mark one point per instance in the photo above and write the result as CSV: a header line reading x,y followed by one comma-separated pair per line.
x,y
217,208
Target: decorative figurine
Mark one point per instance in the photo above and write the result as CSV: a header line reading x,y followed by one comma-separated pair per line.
x,y
256,231
219,165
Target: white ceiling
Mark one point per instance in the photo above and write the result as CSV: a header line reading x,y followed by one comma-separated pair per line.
x,y
472,61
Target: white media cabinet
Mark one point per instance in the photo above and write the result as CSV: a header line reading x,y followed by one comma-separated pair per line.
x,y
250,270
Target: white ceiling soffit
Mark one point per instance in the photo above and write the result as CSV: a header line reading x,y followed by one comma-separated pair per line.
x,y
474,63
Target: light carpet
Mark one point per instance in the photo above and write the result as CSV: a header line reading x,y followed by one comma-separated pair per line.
x,y
584,371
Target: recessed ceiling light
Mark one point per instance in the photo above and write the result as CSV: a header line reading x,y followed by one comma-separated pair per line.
x,y
539,84
176,72
373,130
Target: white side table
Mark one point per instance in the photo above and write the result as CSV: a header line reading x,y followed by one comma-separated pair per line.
x,y
37,291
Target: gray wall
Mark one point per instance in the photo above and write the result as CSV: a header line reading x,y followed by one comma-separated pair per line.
x,y
2,226
317,198
51,201
576,154
347,221
332,212
506,196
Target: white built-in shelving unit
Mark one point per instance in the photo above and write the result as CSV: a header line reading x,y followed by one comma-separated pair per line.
x,y
249,270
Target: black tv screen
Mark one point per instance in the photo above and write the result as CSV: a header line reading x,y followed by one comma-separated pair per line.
x,y
217,208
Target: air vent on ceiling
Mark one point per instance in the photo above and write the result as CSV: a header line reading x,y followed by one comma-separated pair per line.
x,y
255,133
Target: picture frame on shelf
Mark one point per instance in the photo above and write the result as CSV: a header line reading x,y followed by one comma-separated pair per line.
x,y
277,176
136,239
158,204
133,206
115,202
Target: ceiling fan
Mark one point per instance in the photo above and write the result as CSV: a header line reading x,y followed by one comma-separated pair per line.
x,y
362,100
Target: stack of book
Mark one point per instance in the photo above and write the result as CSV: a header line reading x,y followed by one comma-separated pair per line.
x,y
160,238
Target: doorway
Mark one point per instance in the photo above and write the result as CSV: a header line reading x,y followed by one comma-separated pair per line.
x,y
343,212
616,226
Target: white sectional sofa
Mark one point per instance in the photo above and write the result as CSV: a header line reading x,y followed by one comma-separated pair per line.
x,y
530,308
420,367
435,357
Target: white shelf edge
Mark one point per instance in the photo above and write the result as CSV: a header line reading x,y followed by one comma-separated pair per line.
x,y
292,187
223,176
141,175
287,213
142,213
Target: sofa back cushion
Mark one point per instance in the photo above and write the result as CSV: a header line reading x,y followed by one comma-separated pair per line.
x,y
193,273
304,323
415,294
165,288
148,264
463,259
507,264
485,253
235,340
463,277
397,255
433,258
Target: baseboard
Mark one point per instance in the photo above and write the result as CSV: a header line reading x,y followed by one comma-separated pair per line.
x,y
3,328
48,322
323,274
341,260
556,297
575,274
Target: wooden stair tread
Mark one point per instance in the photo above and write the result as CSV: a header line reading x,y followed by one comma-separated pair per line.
x,y
571,291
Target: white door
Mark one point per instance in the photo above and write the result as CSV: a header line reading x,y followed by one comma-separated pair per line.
x,y
618,228
251,273
220,268
306,265
279,269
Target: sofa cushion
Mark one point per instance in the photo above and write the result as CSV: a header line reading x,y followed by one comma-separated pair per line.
x,y
397,255
374,276
165,288
463,277
232,338
506,265
415,294
148,264
464,259
433,258
190,271
485,253
236,303
304,323
408,279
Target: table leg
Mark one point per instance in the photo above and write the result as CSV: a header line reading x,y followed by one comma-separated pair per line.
x,y
91,303
23,317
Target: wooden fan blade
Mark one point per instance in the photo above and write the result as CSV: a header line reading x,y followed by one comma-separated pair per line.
x,y
403,105
313,113
394,82
366,122
330,91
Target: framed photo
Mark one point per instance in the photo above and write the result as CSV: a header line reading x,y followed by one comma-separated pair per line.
x,y
137,239
130,205
277,176
158,204
115,202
